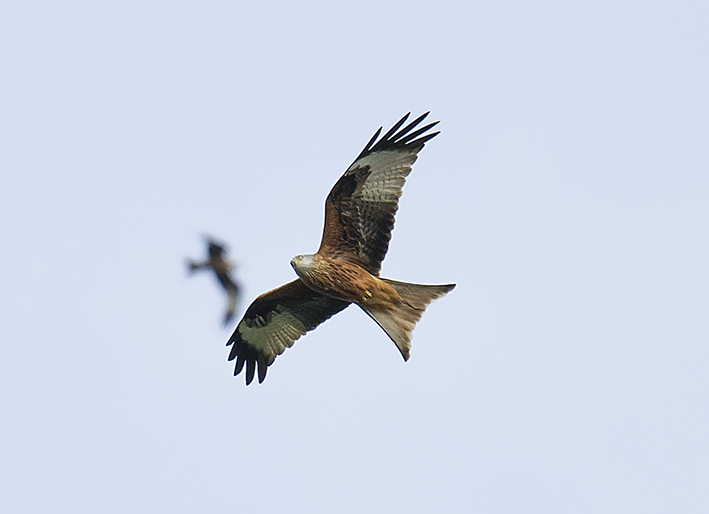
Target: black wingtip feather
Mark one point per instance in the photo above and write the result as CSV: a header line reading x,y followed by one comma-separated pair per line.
x,y
396,127
250,370
371,141
239,365
234,349
245,356
393,140
422,140
409,126
417,133
262,368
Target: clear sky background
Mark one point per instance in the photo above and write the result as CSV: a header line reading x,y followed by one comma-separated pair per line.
x,y
567,195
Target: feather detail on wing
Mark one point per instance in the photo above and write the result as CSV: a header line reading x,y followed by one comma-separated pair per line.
x,y
273,322
360,209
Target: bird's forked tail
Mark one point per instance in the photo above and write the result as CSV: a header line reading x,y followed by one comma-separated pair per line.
x,y
399,321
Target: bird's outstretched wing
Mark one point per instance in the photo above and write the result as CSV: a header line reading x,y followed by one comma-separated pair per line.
x,y
360,209
273,322
232,291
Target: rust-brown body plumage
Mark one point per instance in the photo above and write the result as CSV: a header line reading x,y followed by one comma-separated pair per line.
x,y
344,280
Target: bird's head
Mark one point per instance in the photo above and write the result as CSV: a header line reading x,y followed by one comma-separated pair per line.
x,y
302,263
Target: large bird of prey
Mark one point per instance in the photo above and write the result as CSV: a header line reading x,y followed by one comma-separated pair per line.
x,y
359,218
221,267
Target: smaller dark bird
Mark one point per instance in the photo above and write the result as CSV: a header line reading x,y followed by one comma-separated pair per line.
x,y
221,267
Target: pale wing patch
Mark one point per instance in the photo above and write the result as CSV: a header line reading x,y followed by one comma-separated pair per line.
x,y
271,340
389,172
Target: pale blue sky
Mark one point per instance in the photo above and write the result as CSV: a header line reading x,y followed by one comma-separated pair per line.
x,y
566,196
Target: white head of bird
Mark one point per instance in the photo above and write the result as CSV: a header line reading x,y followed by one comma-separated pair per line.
x,y
303,263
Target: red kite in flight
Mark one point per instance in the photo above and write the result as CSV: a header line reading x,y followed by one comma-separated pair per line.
x,y
359,218
221,267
